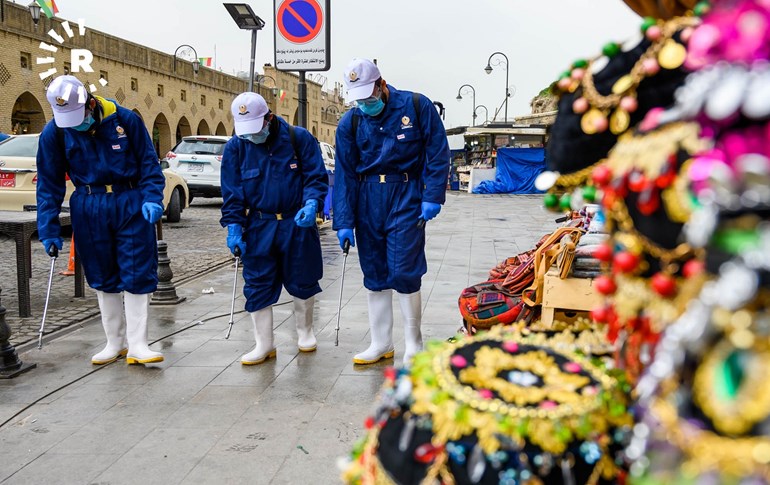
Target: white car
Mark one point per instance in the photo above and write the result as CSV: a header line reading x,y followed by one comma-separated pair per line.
x,y
18,179
198,159
327,152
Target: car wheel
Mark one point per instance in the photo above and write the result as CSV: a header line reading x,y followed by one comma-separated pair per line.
x,y
174,207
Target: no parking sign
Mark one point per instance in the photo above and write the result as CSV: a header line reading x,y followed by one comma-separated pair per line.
x,y
302,35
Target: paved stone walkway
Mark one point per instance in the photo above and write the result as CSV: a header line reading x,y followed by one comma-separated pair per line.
x,y
200,417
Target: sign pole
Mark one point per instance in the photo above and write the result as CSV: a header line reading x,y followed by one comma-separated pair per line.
x,y
253,57
302,101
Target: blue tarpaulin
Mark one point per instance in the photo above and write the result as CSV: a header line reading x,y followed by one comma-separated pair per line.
x,y
517,169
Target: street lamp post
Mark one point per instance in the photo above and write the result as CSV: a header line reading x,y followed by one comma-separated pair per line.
x,y
486,116
488,70
460,97
261,78
34,10
196,64
246,19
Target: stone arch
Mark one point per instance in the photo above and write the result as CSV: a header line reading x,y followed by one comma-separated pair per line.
x,y
296,117
203,128
221,130
313,130
27,115
136,111
182,129
161,135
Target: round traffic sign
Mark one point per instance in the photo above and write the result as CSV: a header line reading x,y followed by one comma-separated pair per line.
x,y
299,21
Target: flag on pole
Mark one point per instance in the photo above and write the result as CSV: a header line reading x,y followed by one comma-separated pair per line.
x,y
48,7
281,95
205,61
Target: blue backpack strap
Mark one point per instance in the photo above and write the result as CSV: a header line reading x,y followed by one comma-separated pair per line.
x,y
293,138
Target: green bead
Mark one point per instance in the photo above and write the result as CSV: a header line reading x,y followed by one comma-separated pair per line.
x,y
611,49
580,64
647,23
589,193
565,74
701,9
550,201
565,202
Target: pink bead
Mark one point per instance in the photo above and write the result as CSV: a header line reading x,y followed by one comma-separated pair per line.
x,y
650,66
511,347
601,124
686,34
572,367
458,361
564,83
577,74
580,105
653,33
629,104
486,394
652,120
547,405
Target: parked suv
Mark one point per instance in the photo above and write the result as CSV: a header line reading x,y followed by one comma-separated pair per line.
x,y
198,160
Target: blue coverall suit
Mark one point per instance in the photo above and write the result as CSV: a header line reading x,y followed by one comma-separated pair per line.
x,y
263,187
413,153
117,245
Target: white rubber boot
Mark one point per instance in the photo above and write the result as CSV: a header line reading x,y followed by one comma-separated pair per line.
x,y
303,316
263,334
137,308
381,325
111,309
411,309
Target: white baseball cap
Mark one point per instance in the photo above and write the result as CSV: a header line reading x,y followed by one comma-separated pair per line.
x,y
360,76
68,99
249,110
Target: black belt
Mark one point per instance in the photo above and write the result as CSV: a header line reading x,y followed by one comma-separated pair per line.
x,y
106,189
275,217
386,178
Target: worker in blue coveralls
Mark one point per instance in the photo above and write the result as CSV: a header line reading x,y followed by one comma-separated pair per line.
x,y
392,163
108,154
273,183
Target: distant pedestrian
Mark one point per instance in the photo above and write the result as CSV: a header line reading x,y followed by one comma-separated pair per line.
x,y
108,154
273,183
392,163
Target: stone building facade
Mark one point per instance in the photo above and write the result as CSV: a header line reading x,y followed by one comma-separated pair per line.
x,y
163,89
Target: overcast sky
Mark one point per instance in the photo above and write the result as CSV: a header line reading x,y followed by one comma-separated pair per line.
x,y
429,46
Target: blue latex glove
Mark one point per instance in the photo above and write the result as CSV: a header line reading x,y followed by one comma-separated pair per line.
x,y
430,210
344,234
235,239
51,242
152,212
306,216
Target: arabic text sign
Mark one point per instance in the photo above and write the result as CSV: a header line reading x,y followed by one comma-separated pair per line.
x,y
302,35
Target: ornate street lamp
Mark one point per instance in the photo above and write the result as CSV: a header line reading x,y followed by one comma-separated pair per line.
x,y
34,10
196,64
486,116
460,97
488,70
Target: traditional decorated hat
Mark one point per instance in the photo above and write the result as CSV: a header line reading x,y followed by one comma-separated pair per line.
x,y
500,407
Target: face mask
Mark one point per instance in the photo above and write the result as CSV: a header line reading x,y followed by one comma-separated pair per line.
x,y
372,108
85,125
257,138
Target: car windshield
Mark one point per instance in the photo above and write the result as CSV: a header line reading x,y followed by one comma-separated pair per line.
x,y
200,147
21,146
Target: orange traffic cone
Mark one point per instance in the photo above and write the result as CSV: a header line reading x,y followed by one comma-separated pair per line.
x,y
70,271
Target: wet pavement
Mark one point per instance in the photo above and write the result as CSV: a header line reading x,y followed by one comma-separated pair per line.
x,y
202,417
196,244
